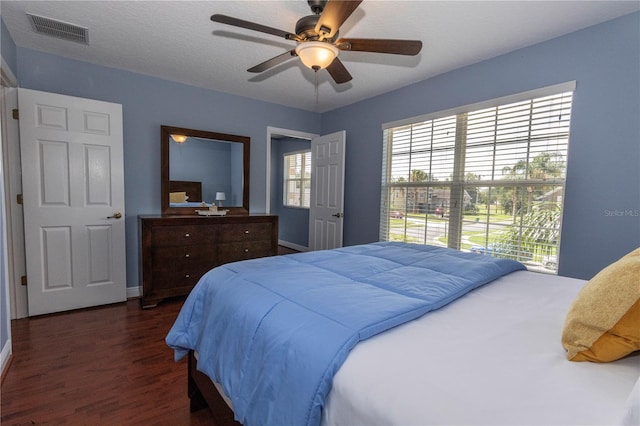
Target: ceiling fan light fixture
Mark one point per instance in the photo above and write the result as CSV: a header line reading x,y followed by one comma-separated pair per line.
x,y
316,54
179,138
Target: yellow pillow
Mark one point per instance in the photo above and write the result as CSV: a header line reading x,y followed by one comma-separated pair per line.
x,y
177,197
603,323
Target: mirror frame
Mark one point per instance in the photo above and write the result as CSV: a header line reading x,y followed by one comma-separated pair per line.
x,y
165,135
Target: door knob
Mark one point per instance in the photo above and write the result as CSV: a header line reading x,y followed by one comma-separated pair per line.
x,y
338,215
116,215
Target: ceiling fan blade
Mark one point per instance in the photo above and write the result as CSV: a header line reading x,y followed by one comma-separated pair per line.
x,y
333,16
338,72
277,60
224,19
396,47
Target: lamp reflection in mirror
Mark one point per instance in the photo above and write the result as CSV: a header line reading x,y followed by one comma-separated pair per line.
x,y
179,138
220,197
316,54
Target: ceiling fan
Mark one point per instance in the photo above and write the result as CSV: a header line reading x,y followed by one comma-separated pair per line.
x,y
318,42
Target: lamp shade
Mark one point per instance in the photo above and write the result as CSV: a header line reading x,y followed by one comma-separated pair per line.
x,y
316,54
179,138
220,196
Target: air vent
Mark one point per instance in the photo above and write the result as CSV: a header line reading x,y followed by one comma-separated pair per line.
x,y
59,29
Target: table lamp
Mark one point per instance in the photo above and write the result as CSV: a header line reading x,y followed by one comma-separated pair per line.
x,y
220,197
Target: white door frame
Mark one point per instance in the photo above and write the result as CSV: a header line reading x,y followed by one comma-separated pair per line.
x,y
271,131
8,83
13,186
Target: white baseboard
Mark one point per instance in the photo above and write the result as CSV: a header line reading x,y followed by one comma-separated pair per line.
x,y
292,246
5,355
134,292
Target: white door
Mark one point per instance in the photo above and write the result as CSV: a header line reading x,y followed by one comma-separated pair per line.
x,y
327,191
73,192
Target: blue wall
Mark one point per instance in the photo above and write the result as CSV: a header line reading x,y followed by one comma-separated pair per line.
x,y
603,171
234,198
148,103
8,47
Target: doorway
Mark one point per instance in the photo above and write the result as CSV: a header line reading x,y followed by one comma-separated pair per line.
x,y
15,255
293,223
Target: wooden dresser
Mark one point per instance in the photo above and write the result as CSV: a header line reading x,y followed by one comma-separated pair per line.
x,y
176,251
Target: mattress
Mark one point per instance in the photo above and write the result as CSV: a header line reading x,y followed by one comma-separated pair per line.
x,y
493,357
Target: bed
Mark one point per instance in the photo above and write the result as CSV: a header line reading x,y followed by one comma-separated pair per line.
x,y
490,355
183,193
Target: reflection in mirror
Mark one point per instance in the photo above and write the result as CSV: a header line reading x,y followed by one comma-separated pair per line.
x,y
216,164
203,168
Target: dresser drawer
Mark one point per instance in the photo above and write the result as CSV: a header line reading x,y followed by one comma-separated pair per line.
x,y
178,257
232,252
244,232
164,236
175,278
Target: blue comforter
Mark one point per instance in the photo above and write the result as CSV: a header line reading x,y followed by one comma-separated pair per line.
x,y
274,331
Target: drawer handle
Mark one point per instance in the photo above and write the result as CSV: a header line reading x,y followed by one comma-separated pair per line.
x,y
246,250
187,275
187,255
246,231
186,235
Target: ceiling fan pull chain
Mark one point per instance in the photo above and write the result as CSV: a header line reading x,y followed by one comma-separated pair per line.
x,y
316,74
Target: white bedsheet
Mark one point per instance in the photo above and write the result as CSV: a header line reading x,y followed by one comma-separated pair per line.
x,y
492,357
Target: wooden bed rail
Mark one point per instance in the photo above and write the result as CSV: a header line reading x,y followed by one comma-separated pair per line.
x,y
203,393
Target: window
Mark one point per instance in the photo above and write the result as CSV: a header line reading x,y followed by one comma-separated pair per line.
x,y
297,179
484,179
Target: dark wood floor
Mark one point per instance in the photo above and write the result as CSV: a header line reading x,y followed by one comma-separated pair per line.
x,y
101,366
286,250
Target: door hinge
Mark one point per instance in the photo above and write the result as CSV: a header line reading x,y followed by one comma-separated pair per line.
x,y
19,198
15,113
23,280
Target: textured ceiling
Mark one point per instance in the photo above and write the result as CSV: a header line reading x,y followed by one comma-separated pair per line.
x,y
176,40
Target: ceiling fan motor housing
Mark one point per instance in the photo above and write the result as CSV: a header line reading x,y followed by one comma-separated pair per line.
x,y
306,29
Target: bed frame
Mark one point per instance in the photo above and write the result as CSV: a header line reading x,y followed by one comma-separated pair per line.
x,y
203,394
193,189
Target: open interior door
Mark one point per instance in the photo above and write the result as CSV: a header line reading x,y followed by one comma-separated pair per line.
x,y
73,192
326,210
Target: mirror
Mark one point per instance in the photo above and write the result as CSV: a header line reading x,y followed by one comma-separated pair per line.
x,y
200,166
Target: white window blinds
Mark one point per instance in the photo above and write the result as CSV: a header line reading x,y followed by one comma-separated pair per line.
x,y
488,180
297,179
